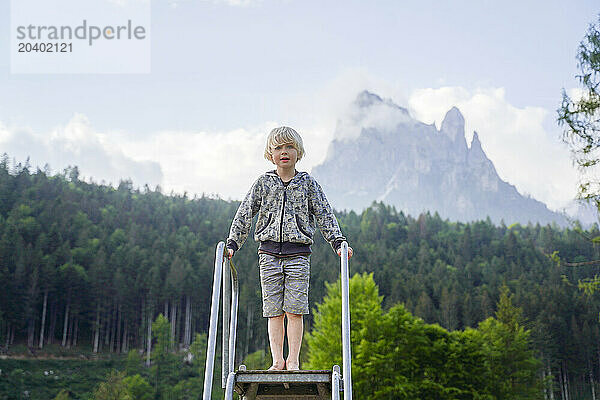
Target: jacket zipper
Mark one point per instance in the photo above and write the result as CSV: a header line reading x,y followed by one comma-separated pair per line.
x,y
281,221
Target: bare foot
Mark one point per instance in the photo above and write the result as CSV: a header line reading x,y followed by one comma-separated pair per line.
x,y
291,366
277,366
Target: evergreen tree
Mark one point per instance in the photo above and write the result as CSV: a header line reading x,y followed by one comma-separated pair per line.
x,y
114,388
325,340
580,116
513,367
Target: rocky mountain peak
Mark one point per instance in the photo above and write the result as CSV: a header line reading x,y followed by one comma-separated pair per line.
x,y
382,153
367,99
476,144
453,125
476,156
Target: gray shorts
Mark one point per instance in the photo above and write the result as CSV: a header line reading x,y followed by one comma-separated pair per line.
x,y
284,283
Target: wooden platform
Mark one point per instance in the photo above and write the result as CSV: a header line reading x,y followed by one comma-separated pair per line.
x,y
276,385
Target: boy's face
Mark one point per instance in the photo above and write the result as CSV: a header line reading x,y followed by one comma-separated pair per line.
x,y
285,156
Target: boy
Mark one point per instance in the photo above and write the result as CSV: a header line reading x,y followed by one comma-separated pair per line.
x,y
289,205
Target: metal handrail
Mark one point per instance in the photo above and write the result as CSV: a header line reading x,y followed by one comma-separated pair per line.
x,y
230,311
229,386
335,383
214,317
234,315
226,317
347,375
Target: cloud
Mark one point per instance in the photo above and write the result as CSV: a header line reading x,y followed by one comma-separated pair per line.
x,y
524,150
232,3
221,162
224,163
124,3
243,3
381,116
576,94
317,114
77,144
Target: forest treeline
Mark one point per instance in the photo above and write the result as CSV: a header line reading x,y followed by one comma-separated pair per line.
x,y
88,265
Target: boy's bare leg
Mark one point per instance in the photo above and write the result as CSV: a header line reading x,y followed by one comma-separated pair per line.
x,y
295,328
276,331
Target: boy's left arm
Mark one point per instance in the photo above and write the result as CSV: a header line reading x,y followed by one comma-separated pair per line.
x,y
326,220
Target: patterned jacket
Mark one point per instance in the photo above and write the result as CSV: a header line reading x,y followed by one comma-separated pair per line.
x,y
285,214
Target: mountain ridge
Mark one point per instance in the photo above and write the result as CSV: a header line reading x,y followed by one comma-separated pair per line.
x,y
381,153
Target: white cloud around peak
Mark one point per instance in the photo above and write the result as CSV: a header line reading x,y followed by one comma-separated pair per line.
x,y
525,153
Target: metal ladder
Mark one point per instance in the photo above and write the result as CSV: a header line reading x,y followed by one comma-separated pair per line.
x,y
270,385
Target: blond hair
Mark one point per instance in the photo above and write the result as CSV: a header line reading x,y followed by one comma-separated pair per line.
x,y
280,136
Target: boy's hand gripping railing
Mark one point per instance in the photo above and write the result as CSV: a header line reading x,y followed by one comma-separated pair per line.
x,y
222,272
347,372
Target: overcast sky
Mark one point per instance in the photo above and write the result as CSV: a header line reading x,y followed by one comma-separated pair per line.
x,y
223,73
